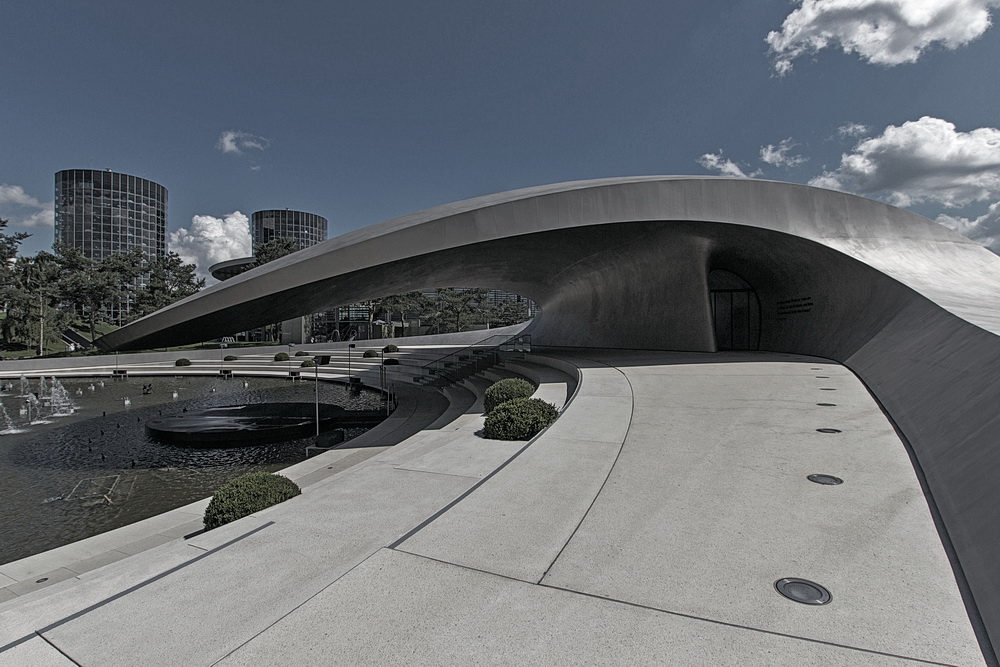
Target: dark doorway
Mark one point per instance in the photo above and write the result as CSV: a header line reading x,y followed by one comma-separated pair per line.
x,y
735,311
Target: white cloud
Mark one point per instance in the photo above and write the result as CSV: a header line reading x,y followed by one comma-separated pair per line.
x,y
984,230
210,240
15,194
43,218
723,165
778,156
883,32
852,130
24,210
234,141
924,160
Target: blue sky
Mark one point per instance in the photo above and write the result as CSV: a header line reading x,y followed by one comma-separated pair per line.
x,y
362,111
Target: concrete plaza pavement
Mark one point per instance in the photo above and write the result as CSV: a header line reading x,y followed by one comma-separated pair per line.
x,y
647,525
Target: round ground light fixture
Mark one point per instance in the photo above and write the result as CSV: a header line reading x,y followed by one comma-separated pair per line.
x,y
802,591
823,377
827,389
828,480
827,405
829,430
42,580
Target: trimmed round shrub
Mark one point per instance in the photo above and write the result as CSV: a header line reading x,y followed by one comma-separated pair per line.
x,y
301,353
308,363
229,357
370,353
505,390
390,348
182,362
519,419
391,362
281,356
246,494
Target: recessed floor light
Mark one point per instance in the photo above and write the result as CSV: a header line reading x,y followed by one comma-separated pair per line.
x,y
825,479
827,389
42,580
803,591
827,405
829,430
823,377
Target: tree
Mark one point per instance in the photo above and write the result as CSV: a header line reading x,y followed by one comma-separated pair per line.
x,y
92,287
33,301
410,302
503,313
272,250
10,292
268,252
168,279
9,244
454,310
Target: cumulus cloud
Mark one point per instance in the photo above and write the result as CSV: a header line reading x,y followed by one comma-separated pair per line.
x,y
723,165
210,240
15,194
779,156
924,160
24,210
984,230
234,141
883,32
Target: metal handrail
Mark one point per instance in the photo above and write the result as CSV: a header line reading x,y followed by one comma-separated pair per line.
x,y
501,343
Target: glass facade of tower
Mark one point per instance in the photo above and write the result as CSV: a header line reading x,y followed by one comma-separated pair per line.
x,y
305,229
104,212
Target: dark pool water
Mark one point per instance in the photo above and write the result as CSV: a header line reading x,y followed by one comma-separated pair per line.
x,y
80,475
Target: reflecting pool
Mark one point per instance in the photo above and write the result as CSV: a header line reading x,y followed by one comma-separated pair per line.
x,y
77,461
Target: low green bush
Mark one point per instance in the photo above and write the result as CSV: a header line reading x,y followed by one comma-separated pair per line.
x,y
308,363
519,419
390,348
229,357
182,362
391,362
370,353
505,390
247,494
301,353
281,356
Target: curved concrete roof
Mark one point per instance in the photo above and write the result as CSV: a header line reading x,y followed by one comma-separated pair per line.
x,y
532,241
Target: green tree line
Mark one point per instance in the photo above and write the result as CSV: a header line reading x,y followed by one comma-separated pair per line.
x,y
53,291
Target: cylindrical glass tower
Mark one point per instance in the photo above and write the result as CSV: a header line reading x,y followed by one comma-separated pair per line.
x,y
104,212
305,229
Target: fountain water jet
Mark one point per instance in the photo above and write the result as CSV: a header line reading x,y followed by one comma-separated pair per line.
x,y
59,399
6,422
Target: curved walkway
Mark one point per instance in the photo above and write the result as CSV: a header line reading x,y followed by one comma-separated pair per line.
x,y
648,525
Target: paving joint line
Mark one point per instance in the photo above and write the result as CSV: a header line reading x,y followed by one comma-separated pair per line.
x,y
747,627
131,589
606,477
298,606
426,522
669,612
61,652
